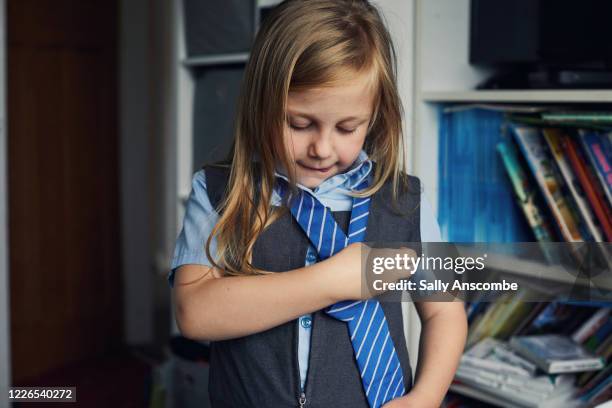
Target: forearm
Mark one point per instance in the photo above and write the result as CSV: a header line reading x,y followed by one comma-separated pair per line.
x,y
442,341
237,306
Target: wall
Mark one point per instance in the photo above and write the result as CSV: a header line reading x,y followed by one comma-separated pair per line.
x,y
134,159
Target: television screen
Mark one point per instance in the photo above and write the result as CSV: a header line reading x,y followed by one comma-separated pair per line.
x,y
558,33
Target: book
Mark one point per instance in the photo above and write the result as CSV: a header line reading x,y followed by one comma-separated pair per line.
x,y
589,184
525,194
595,395
504,353
555,353
578,116
595,380
550,183
554,139
475,203
590,326
599,152
482,356
599,337
560,318
526,323
604,351
503,316
502,393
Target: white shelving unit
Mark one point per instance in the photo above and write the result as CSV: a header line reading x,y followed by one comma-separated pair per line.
x,y
443,75
520,96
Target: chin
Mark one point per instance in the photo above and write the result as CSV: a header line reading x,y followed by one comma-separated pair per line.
x,y
310,182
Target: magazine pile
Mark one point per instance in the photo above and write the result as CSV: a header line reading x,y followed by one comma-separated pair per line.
x,y
569,368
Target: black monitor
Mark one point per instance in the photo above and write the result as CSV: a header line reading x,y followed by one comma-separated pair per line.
x,y
544,33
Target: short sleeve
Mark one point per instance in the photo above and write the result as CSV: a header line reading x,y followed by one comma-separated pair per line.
x,y
430,229
430,232
198,222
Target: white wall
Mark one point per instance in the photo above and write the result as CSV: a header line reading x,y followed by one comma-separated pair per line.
x,y
400,19
399,16
5,359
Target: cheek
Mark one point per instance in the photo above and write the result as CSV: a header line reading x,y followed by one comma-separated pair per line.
x,y
350,148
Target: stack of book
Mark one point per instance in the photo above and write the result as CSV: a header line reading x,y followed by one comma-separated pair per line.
x,y
546,354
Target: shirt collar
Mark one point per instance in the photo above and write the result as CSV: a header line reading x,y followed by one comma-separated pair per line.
x,y
347,180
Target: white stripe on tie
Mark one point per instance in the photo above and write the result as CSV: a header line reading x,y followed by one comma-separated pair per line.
x,y
362,202
390,383
365,367
344,307
333,239
297,217
367,330
378,362
352,234
322,229
311,214
383,377
359,321
397,386
361,216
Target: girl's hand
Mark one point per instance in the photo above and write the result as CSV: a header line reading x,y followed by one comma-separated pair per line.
x,y
410,400
351,280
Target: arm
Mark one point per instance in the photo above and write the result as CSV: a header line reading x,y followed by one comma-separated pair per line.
x,y
443,334
226,307
213,307
216,307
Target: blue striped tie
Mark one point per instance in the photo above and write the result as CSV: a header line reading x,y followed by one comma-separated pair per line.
x,y
376,357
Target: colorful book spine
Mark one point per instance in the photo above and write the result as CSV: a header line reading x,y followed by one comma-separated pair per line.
x,y
599,337
524,193
589,185
599,152
592,117
542,167
599,318
554,139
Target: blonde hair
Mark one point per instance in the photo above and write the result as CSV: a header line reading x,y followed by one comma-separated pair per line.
x,y
300,45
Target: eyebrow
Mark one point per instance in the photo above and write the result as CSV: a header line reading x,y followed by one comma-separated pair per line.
x,y
347,119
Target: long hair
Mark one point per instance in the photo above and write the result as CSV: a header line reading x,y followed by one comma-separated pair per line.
x,y
302,44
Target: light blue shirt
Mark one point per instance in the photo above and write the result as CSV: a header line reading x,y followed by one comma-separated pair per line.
x,y
200,218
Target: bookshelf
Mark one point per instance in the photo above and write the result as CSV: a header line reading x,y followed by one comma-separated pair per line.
x,y
519,96
443,75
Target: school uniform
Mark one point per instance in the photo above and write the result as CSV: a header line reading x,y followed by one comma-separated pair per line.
x,y
313,354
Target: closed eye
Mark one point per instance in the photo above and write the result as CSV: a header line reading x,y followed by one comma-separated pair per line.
x,y
300,127
347,131
340,129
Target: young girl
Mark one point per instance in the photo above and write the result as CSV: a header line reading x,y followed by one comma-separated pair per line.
x,y
317,136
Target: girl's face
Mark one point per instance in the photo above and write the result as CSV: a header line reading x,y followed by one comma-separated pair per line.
x,y
326,128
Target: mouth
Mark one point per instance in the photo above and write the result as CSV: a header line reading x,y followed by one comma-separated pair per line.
x,y
321,170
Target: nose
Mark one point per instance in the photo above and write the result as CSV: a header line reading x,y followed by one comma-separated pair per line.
x,y
321,145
